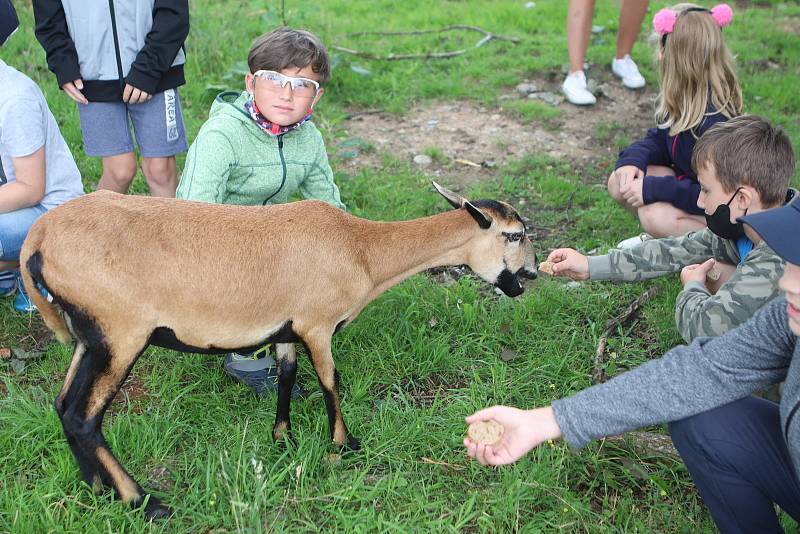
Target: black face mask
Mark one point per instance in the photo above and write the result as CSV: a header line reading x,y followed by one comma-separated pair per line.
x,y
720,221
8,20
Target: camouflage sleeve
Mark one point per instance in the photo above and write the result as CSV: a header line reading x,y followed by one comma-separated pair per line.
x,y
656,257
754,283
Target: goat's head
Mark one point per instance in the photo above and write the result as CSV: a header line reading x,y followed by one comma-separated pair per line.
x,y
502,252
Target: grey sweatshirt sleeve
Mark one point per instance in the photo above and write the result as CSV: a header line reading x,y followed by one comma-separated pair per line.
x,y
686,381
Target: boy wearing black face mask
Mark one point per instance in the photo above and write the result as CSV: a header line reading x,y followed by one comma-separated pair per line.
x,y
743,166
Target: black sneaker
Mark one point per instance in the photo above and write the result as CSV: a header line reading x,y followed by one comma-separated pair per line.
x,y
259,374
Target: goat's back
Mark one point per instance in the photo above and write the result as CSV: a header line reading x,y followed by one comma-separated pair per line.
x,y
167,256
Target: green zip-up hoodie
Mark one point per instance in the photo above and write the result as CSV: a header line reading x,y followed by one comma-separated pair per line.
x,y
233,161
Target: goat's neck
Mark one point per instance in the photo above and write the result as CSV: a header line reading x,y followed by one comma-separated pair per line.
x,y
401,249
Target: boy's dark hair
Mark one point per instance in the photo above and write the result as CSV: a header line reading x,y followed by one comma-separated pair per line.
x,y
748,150
284,47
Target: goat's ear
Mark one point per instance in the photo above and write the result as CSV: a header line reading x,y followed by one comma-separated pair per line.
x,y
454,199
483,220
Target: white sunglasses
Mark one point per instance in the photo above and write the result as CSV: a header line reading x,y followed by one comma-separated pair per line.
x,y
301,87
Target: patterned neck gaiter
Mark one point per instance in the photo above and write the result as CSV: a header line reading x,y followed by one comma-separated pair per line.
x,y
264,124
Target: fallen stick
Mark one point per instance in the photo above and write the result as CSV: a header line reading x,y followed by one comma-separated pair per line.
x,y
647,443
487,36
598,374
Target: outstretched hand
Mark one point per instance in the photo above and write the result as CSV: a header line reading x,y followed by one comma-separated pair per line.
x,y
523,430
570,263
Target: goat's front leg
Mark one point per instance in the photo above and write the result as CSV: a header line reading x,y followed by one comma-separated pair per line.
x,y
320,351
287,370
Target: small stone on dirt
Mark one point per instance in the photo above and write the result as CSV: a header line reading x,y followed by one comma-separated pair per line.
x,y
161,479
433,123
527,88
507,355
423,160
347,154
547,97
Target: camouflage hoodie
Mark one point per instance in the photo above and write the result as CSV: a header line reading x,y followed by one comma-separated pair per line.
x,y
698,312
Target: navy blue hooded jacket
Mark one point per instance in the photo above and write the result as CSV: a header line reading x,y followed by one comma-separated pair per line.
x,y
660,148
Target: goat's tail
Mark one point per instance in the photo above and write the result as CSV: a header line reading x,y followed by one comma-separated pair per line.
x,y
31,269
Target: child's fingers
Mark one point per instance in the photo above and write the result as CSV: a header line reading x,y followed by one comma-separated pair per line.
x,y
708,264
487,414
558,255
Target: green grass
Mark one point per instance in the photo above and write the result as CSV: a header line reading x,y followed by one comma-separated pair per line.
x,y
407,379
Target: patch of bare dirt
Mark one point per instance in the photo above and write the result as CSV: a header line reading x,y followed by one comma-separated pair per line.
x,y
37,338
469,132
133,392
790,25
424,392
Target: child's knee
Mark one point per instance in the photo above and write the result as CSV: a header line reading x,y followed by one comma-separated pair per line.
x,y
159,170
648,214
121,172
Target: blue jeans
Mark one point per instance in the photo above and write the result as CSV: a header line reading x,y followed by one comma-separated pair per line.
x,y
740,464
14,226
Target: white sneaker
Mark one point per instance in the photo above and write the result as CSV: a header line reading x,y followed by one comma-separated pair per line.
x,y
633,241
626,69
576,90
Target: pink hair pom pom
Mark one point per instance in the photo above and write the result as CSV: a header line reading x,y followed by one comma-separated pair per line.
x,y
723,14
664,21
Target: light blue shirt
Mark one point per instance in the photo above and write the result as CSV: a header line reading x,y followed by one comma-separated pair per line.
x,y
26,125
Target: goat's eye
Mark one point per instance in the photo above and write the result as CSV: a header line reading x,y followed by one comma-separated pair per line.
x,y
513,237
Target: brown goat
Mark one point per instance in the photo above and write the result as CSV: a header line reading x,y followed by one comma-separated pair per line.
x,y
125,272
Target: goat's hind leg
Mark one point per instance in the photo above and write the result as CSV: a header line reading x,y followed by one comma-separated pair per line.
x,y
320,351
97,380
90,469
286,359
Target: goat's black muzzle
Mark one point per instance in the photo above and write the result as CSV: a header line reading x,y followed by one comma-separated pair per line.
x,y
508,283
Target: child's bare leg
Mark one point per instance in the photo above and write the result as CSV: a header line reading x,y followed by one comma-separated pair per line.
x,y
579,29
118,172
631,15
662,219
726,270
161,175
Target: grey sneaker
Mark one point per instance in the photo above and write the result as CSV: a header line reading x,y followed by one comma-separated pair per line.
x,y
258,373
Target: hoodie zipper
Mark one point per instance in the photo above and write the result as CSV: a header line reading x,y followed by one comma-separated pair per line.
x,y
116,44
283,166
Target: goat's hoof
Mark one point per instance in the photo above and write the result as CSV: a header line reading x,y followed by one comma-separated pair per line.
x,y
155,511
284,433
97,484
352,444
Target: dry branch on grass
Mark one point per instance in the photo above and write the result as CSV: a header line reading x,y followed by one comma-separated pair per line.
x,y
647,443
598,374
487,36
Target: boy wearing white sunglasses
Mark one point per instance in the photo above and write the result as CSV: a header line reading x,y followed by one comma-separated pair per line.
x,y
259,147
